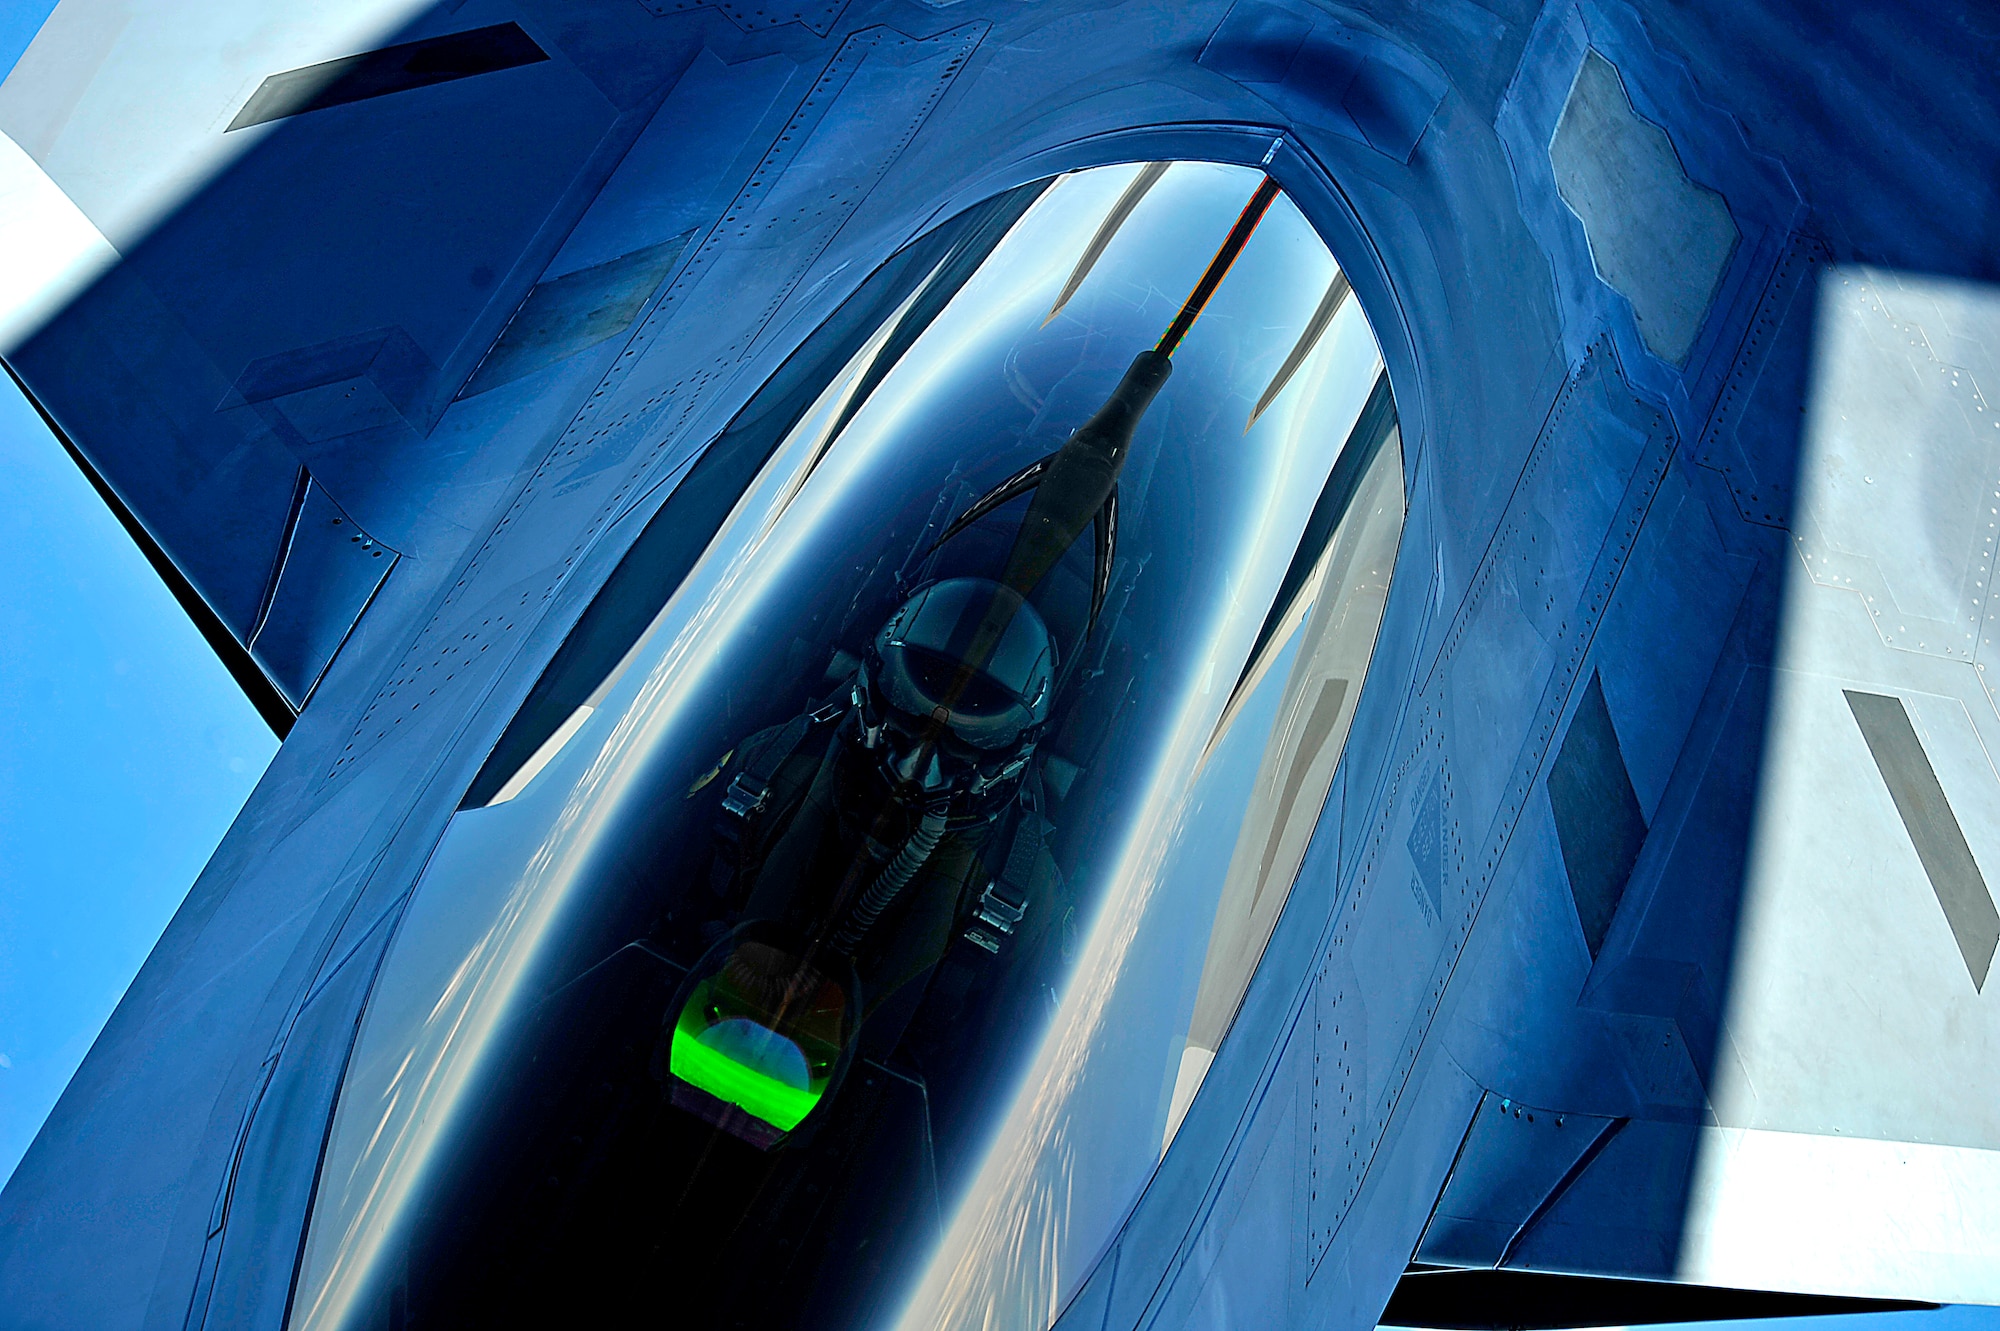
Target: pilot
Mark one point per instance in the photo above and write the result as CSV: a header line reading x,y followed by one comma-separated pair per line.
x,y
857,840
901,824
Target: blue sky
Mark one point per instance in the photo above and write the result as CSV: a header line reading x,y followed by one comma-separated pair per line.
x,y
125,751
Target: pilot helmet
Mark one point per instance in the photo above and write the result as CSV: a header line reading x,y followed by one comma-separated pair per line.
x,y
919,658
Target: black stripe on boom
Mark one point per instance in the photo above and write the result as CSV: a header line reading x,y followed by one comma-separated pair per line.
x,y
1218,267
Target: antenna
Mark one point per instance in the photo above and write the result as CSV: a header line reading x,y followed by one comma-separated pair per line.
x,y
1232,245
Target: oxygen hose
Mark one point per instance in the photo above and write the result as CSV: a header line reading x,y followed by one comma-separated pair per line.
x,y
895,875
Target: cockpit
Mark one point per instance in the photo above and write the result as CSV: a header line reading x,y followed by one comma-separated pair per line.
x,y
843,927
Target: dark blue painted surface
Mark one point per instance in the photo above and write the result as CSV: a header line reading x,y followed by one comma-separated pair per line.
x,y
1579,509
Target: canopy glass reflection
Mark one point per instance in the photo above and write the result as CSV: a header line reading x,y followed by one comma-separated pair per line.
x,y
850,948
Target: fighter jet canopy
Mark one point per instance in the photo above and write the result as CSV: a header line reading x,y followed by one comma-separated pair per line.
x,y
700,767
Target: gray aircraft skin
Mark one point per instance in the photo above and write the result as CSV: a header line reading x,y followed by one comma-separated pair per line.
x,y
1486,812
